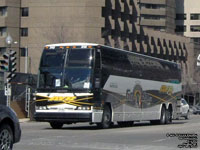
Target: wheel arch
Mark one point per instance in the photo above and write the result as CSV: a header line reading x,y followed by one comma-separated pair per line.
x,y
111,109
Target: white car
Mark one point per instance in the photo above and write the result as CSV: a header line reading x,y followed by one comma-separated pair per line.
x,y
185,109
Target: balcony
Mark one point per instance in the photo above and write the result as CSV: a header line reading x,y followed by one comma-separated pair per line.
x,y
153,11
150,22
153,1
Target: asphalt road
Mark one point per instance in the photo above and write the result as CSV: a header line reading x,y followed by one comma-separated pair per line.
x,y
142,136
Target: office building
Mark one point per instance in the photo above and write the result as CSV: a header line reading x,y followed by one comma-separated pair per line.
x,y
142,26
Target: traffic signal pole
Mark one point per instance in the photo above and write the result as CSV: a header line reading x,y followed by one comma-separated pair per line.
x,y
8,66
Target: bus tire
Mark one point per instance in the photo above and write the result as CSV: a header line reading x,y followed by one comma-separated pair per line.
x,y
162,119
168,118
106,118
56,125
163,116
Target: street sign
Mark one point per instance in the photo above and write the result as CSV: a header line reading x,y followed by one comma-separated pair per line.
x,y
7,90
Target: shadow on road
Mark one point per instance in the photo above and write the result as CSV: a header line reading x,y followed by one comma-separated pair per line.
x,y
115,126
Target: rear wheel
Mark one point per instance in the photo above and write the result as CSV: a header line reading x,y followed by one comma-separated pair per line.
x,y
168,118
6,137
106,119
163,116
56,125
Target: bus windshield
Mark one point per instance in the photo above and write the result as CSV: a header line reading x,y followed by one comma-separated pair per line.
x,y
65,69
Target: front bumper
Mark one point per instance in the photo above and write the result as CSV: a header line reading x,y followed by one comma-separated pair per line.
x,y
63,117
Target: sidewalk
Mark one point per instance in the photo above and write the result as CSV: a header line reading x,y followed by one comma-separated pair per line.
x,y
24,120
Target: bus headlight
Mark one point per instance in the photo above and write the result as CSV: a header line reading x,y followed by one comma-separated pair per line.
x,y
41,108
84,108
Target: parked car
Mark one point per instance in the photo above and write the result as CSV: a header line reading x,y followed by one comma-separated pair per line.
x,y
185,109
196,109
10,131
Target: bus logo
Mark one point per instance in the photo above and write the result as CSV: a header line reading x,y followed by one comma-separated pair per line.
x,y
63,99
166,89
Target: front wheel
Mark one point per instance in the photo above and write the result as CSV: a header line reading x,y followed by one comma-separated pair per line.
x,y
162,119
106,118
56,125
6,137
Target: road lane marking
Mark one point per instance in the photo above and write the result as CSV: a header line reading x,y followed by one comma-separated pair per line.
x,y
160,140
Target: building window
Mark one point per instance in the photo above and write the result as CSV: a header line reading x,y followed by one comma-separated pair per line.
x,y
3,11
2,50
195,28
23,52
3,31
181,17
25,12
158,28
194,16
153,6
180,29
24,31
196,40
153,17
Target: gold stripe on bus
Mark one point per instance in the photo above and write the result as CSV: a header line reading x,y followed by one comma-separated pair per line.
x,y
87,98
42,96
161,99
83,103
40,100
174,97
71,99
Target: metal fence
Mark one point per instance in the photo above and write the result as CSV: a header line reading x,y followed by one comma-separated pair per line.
x,y
22,87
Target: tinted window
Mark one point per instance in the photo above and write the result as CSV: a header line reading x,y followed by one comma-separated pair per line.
x,y
53,58
127,64
79,57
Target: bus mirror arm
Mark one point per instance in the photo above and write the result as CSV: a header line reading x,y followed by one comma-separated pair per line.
x,y
97,83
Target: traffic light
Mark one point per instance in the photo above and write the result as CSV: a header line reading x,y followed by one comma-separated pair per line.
x,y
12,65
8,64
12,62
5,62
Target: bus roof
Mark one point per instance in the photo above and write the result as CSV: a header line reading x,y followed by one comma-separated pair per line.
x,y
94,44
73,44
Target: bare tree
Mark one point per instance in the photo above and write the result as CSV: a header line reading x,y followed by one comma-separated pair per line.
x,y
56,34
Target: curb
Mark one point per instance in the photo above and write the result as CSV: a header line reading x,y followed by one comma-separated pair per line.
x,y
24,120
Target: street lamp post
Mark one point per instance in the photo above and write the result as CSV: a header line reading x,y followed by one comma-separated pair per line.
x,y
26,60
9,41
